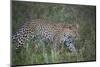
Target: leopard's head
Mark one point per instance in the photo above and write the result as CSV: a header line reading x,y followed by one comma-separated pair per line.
x,y
70,35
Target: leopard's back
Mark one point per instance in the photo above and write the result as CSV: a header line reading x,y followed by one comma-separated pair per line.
x,y
46,30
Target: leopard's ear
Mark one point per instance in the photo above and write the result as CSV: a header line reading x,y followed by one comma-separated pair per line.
x,y
77,26
77,31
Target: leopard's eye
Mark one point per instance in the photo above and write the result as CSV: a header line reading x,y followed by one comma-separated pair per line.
x,y
69,36
64,35
70,42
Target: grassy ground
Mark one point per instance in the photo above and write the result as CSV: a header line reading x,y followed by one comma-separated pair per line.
x,y
34,53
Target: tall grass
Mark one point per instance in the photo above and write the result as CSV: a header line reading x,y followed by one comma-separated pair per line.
x,y
39,53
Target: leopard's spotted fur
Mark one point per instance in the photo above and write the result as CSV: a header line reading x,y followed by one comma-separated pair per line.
x,y
57,33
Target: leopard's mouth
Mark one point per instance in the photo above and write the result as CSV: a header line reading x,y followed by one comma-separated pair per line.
x,y
70,47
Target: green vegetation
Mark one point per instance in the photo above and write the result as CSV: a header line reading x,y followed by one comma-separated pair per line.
x,y
34,53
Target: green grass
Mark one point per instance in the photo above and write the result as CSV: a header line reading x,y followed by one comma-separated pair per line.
x,y
34,53
37,55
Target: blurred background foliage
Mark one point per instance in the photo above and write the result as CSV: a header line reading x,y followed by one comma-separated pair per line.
x,y
83,15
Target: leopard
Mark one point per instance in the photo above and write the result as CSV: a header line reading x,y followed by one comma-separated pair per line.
x,y
59,33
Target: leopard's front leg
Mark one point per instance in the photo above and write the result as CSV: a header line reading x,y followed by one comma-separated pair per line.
x,y
55,50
